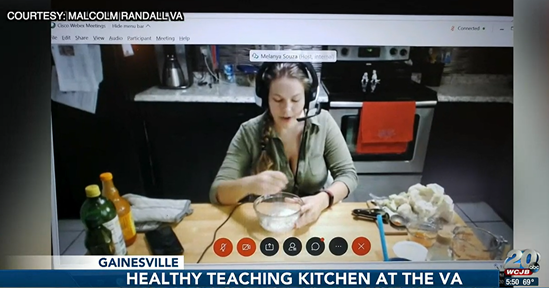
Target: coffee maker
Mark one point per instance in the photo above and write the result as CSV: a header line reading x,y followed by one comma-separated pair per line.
x,y
174,66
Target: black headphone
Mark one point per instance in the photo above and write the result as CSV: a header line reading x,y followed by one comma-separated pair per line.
x,y
311,94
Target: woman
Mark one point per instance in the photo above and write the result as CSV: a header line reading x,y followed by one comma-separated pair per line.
x,y
279,151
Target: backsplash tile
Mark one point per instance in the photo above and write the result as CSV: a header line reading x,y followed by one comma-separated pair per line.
x,y
239,54
464,60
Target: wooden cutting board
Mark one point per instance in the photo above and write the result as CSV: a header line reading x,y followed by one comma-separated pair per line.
x,y
389,230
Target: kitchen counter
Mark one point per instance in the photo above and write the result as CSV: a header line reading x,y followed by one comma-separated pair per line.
x,y
474,88
196,232
221,92
454,88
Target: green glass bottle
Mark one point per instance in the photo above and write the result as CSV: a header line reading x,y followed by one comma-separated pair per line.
x,y
97,206
98,238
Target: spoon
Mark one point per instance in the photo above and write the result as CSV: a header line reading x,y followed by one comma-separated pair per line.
x,y
394,218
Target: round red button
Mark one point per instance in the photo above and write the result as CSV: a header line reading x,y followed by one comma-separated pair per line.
x,y
361,246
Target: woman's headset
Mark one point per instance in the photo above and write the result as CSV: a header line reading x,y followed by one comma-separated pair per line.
x,y
311,95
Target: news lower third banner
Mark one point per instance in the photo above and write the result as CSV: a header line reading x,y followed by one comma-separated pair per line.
x,y
257,278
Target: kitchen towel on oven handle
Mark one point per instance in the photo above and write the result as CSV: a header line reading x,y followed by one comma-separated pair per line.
x,y
385,127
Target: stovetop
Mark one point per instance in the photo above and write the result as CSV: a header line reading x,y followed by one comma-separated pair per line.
x,y
397,90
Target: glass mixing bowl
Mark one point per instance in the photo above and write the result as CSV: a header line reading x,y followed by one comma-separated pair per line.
x,y
423,232
475,243
278,213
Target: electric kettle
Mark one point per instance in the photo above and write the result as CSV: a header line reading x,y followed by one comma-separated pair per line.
x,y
172,75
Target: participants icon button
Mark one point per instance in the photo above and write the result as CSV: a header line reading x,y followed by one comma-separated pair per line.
x,y
292,246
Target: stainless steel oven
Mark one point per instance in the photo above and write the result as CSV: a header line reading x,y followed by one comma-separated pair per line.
x,y
364,74
347,114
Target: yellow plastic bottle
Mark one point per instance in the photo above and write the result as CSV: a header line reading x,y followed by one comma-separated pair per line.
x,y
123,208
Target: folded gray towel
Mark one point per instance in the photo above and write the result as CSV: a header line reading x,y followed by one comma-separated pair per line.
x,y
148,213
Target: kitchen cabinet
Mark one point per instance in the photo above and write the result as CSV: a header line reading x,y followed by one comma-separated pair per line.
x,y
86,144
188,142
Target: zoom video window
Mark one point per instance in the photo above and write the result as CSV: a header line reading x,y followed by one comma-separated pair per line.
x,y
285,153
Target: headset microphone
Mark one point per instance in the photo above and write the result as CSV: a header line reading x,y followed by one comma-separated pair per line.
x,y
315,104
318,110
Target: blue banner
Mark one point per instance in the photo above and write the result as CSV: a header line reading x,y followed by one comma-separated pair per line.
x,y
257,278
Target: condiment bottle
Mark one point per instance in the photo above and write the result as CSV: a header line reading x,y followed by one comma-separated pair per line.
x,y
97,206
98,238
123,208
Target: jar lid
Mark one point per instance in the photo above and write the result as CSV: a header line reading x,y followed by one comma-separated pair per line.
x,y
444,237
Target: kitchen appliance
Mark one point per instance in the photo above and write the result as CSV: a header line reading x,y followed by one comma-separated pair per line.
x,y
174,66
363,74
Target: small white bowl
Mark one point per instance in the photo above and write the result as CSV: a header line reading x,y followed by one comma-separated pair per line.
x,y
410,250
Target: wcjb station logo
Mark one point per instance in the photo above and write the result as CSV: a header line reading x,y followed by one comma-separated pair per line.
x,y
521,262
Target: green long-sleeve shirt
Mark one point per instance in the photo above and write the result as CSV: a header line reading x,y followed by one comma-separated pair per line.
x,y
324,150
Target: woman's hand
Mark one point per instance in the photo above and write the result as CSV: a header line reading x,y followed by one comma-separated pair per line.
x,y
267,182
314,205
